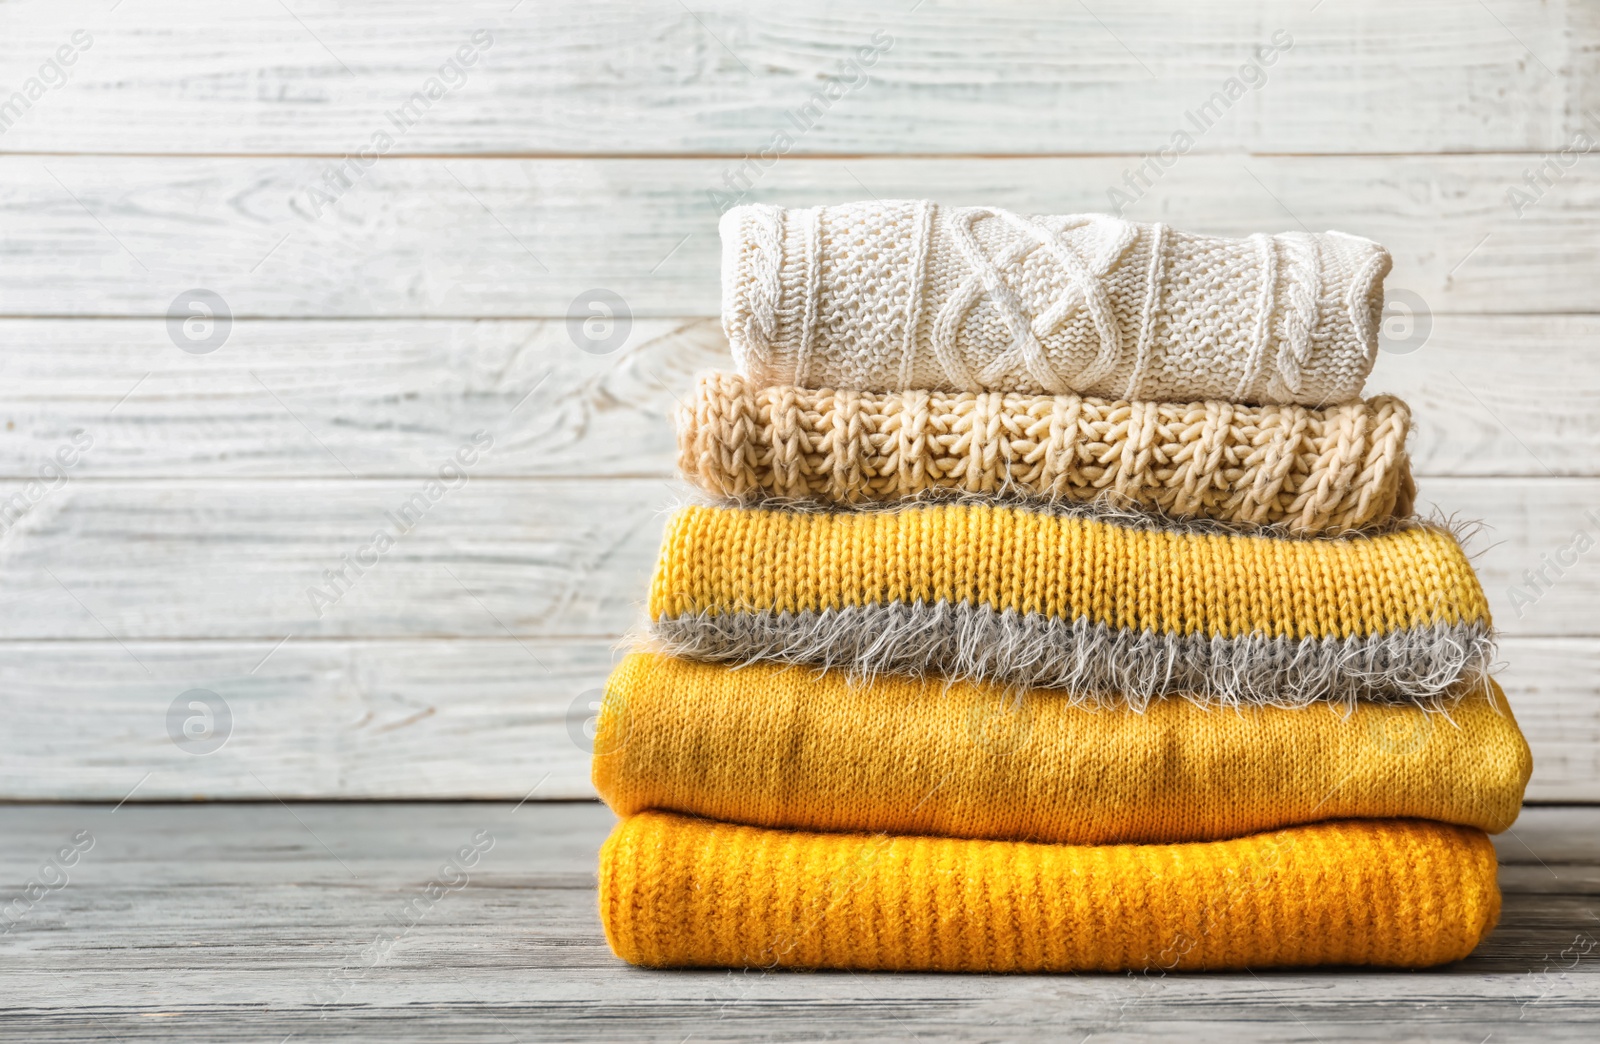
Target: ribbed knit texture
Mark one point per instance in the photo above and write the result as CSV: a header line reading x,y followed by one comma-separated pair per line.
x,y
889,295
679,891
787,747
1309,471
1036,599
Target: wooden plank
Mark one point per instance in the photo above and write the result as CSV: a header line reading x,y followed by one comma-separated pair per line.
x,y
954,76
1497,395
1554,688
1526,525
253,559
387,398
1493,395
410,719
201,922
304,720
1557,835
391,842
125,236
1534,878
249,558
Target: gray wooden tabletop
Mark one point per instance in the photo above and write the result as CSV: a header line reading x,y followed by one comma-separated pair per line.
x,y
259,922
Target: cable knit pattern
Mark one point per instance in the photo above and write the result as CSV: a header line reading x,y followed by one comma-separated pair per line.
x,y
885,296
1395,893
785,747
1307,470
1104,610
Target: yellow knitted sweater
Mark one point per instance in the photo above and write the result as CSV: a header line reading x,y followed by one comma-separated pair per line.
x,y
1086,604
679,891
791,747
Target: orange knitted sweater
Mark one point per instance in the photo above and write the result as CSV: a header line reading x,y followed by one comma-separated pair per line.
x,y
678,891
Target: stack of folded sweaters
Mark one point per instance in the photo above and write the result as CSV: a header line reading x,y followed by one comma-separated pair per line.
x,y
1058,605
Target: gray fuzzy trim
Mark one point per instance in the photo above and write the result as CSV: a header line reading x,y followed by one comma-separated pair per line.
x,y
1104,508
1094,662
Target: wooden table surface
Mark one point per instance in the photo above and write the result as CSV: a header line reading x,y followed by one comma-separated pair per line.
x,y
207,922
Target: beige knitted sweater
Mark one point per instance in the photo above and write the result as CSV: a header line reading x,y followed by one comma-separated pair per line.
x,y
1308,471
887,296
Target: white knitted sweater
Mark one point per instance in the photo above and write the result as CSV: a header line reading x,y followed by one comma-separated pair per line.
x,y
886,296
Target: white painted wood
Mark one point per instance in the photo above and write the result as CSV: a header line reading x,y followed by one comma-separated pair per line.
x,y
1493,395
166,559
1554,688
388,398
483,718
957,76
581,153
123,236
1498,395
313,719
1523,519
535,557
208,922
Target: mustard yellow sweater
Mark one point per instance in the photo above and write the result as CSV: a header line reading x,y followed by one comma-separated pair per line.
x,y
791,747
679,891
1089,605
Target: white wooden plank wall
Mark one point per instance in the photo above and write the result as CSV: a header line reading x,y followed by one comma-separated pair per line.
x,y
377,325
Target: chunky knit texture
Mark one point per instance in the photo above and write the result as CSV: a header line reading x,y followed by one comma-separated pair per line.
x,y
786,747
1100,609
1309,471
679,891
884,296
